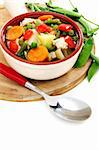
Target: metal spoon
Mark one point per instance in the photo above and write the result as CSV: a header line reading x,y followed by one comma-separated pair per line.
x,y
74,109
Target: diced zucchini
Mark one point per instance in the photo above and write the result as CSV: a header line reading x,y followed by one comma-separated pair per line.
x,y
53,55
49,57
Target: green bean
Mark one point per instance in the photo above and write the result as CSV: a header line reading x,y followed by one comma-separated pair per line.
x,y
92,70
63,11
49,4
95,58
30,6
36,8
28,26
42,7
85,53
57,33
23,47
52,21
55,27
21,42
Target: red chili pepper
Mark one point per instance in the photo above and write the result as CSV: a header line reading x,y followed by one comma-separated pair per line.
x,y
70,42
65,27
43,28
28,34
13,46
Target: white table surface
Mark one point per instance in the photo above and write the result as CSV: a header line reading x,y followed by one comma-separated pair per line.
x,y
30,126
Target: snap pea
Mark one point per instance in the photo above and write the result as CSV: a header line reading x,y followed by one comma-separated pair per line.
x,y
85,25
82,27
92,70
23,47
85,53
95,58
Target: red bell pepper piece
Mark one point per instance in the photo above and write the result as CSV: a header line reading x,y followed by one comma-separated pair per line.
x,y
65,27
28,34
13,46
43,28
70,42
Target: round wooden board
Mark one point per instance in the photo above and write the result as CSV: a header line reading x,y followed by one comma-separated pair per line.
x,y
11,91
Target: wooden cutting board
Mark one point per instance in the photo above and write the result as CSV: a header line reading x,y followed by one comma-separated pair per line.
x,y
11,91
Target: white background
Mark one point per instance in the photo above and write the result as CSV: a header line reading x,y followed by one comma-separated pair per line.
x,y
30,126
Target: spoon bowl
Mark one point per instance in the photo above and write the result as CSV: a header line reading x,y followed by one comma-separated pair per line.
x,y
67,108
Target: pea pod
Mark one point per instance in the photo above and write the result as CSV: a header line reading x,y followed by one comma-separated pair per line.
x,y
92,70
82,28
85,53
85,25
95,58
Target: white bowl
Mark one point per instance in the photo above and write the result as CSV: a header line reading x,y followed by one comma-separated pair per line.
x,y
44,70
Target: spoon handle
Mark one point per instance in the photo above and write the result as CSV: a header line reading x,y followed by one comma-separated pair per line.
x,y
13,75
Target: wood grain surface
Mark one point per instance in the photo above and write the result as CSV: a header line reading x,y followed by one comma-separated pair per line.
x,y
11,91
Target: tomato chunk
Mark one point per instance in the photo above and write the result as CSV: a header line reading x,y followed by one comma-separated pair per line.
x,y
13,46
45,17
43,28
70,42
28,34
65,27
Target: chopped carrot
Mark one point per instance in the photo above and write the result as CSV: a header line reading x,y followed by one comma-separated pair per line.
x,y
45,17
38,54
14,33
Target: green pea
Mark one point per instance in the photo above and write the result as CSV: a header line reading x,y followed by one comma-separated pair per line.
x,y
33,45
71,33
